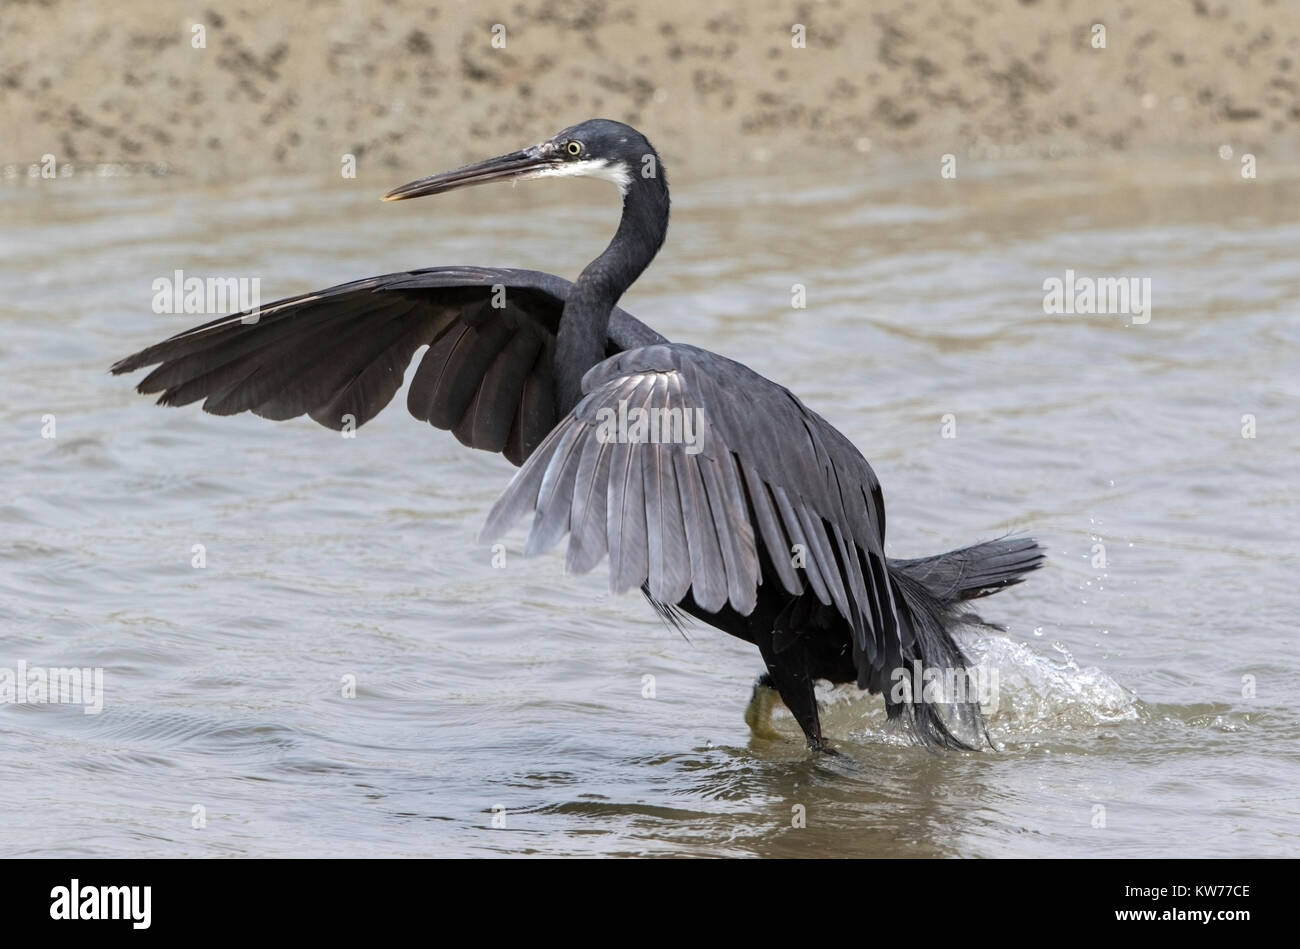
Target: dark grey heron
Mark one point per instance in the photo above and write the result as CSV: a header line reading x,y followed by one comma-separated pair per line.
x,y
763,520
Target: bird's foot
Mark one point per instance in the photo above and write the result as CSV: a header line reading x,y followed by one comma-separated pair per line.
x,y
820,747
758,713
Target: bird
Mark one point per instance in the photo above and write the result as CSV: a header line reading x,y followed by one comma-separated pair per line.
x,y
709,487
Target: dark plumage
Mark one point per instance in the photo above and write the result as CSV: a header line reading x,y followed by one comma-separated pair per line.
x,y
769,526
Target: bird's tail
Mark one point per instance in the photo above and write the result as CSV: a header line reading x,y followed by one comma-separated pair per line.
x,y
973,572
941,699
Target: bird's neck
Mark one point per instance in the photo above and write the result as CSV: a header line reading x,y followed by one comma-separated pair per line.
x,y
584,324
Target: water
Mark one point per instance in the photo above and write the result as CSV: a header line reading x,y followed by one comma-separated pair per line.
x,y
1123,692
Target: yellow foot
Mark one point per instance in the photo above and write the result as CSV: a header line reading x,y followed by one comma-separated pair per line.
x,y
758,713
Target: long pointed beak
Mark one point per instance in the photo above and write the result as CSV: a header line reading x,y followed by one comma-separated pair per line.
x,y
525,163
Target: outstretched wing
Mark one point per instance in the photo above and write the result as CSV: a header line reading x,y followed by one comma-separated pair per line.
x,y
730,473
339,355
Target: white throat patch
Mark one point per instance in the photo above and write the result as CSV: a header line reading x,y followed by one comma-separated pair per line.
x,y
616,172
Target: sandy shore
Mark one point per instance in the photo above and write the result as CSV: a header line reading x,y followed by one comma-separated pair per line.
x,y
293,87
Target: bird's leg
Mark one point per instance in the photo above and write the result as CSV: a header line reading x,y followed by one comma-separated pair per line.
x,y
788,671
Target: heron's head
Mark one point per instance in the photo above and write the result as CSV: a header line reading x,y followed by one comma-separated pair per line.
x,y
598,148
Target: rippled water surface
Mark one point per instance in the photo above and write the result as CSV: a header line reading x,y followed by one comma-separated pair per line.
x,y
1154,694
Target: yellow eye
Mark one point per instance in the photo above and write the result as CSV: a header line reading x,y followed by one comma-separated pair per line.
x,y
574,148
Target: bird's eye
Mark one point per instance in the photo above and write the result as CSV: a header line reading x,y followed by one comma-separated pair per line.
x,y
574,148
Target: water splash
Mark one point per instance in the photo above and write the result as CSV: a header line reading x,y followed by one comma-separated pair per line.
x,y
1041,695
1034,696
